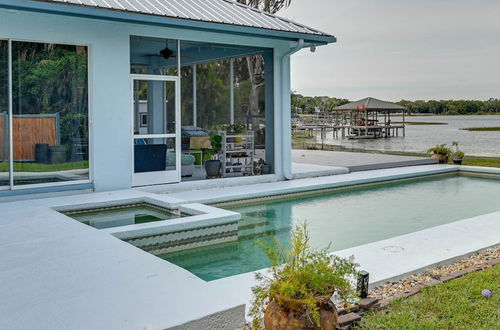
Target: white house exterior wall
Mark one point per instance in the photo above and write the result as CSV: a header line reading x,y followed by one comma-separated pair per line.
x,y
109,76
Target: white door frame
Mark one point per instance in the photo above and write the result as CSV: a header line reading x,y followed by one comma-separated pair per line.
x,y
158,177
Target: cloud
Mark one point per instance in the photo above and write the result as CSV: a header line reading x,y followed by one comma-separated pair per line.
x,y
426,49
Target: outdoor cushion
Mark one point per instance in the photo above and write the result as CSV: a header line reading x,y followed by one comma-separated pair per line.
x,y
185,159
149,158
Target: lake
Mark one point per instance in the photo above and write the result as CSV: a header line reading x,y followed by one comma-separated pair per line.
x,y
419,138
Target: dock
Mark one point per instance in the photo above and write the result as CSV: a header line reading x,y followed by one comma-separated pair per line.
x,y
364,119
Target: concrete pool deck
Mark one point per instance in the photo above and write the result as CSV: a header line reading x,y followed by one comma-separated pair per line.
x,y
57,273
357,161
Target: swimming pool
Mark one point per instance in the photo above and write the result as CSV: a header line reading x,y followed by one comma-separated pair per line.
x,y
345,218
122,215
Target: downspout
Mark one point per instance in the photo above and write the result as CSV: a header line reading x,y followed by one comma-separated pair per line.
x,y
286,120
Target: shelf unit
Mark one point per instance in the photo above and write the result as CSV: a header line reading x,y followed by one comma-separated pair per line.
x,y
238,151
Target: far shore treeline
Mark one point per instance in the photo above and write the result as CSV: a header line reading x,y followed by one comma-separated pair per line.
x,y
312,104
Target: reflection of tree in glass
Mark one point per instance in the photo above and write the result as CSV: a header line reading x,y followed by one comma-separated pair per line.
x,y
50,79
3,75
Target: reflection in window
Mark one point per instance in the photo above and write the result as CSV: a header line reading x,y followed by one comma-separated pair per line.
x,y
50,113
213,94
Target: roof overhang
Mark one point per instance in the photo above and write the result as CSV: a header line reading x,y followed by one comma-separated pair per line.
x,y
143,19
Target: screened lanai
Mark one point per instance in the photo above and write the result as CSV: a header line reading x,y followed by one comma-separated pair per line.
x,y
134,93
220,90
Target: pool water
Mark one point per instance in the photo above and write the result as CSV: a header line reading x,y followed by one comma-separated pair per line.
x,y
344,218
122,215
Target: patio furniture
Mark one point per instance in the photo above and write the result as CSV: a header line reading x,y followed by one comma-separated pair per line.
x,y
187,163
237,153
188,132
149,157
198,145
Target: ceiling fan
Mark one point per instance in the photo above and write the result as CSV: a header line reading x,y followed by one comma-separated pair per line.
x,y
168,54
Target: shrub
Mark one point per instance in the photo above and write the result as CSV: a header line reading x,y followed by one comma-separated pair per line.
x,y
441,149
302,274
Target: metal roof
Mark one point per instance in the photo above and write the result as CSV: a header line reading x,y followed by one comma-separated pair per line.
x,y
371,104
213,11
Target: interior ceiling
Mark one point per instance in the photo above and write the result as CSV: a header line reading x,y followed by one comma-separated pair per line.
x,y
145,51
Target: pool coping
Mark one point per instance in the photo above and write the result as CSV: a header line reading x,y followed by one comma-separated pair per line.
x,y
204,225
199,215
225,194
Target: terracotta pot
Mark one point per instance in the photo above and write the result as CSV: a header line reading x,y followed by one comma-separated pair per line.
x,y
288,314
443,159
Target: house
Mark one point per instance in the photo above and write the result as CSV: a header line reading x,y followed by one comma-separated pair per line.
x,y
122,80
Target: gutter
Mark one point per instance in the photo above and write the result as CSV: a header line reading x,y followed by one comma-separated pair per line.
x,y
286,123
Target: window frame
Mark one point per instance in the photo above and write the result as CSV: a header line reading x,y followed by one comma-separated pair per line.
x,y
90,180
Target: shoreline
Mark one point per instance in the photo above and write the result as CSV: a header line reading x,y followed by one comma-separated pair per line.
x,y
302,143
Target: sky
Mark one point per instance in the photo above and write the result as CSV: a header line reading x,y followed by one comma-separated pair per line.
x,y
400,49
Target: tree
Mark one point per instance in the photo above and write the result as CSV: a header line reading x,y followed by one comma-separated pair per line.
x,y
255,63
269,6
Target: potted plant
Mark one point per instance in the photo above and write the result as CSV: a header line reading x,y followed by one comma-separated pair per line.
x,y
296,293
236,128
213,166
440,152
457,154
256,168
233,129
265,168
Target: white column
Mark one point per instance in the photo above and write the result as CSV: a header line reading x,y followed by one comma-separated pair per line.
x,y
195,101
231,90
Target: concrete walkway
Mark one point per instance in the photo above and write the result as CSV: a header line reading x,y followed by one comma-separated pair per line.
x,y
357,161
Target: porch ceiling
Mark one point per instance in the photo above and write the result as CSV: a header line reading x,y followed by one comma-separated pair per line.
x,y
145,50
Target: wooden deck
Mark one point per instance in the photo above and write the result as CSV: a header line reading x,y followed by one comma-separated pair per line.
x,y
343,131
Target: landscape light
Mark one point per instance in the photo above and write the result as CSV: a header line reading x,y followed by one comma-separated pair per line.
x,y
362,287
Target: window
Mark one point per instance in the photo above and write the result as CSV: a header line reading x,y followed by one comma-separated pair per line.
x,y
144,120
49,128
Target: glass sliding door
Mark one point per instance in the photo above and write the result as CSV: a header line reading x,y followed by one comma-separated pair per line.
x,y
4,115
156,118
50,130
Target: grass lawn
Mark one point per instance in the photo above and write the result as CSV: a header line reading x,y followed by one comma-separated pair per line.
x,y
301,138
481,161
468,160
482,129
35,167
457,304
